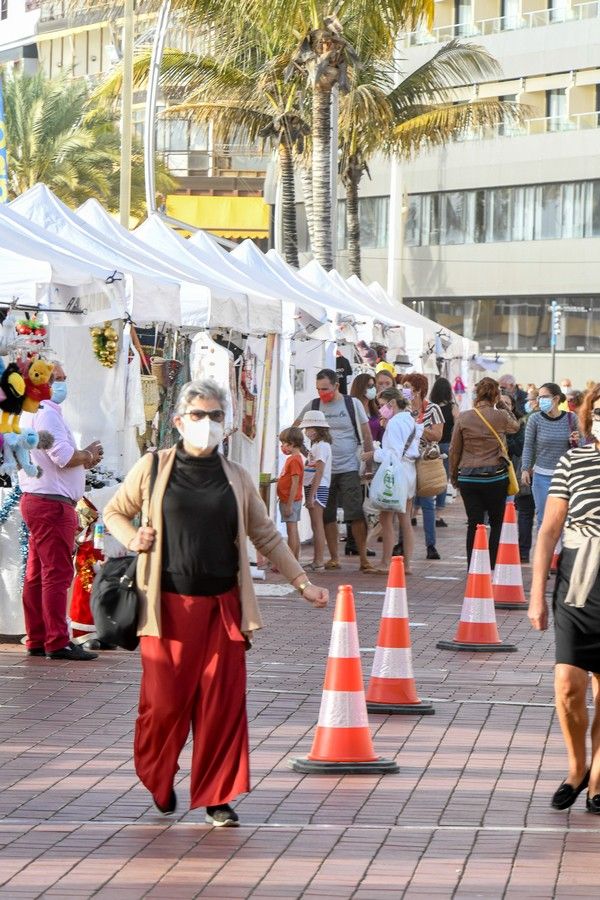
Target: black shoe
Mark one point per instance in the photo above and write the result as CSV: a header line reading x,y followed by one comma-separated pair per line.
x,y
432,553
222,816
566,795
592,804
440,523
398,550
413,521
72,651
36,651
97,644
524,558
169,810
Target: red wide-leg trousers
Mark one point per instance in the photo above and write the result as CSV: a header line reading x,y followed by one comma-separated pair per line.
x,y
194,674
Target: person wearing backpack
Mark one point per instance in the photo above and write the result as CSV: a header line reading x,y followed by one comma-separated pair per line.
x,y
350,434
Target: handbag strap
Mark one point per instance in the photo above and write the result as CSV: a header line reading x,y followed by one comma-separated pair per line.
x,y
153,474
409,441
492,429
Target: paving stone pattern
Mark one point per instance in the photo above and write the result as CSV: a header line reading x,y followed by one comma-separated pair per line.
x,y
467,816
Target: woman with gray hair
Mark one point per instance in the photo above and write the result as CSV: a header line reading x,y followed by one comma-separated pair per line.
x,y
198,608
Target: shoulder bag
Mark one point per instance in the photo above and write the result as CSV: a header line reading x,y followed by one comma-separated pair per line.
x,y
513,484
114,600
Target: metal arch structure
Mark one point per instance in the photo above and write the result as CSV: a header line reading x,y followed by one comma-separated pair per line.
x,y
158,47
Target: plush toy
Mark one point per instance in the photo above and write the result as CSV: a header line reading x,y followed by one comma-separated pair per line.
x,y
36,384
17,450
12,393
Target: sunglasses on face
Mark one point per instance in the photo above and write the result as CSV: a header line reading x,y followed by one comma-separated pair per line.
x,y
596,412
215,415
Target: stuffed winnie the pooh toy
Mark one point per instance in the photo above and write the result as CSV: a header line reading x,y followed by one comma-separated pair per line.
x,y
36,384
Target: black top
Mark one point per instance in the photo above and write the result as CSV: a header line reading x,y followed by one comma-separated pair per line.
x,y
200,518
343,371
448,414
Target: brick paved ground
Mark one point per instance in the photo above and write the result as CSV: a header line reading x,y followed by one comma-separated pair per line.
x,y
467,816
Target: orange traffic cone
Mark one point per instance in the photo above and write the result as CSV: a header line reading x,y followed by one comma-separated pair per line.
x,y
477,629
342,742
507,583
392,685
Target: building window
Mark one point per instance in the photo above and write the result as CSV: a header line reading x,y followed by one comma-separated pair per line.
x,y
3,9
511,14
491,215
518,323
556,109
463,17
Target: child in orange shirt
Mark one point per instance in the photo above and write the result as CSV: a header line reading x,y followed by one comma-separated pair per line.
x,y
289,485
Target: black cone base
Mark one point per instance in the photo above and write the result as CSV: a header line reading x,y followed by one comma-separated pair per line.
x,y
318,767
511,605
477,648
401,709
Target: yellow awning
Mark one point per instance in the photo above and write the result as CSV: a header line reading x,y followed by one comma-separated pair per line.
x,y
228,217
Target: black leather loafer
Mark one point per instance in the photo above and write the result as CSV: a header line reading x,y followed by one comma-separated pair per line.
x,y
592,804
566,795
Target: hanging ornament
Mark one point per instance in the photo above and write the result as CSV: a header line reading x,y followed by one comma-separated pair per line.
x,y
459,386
105,341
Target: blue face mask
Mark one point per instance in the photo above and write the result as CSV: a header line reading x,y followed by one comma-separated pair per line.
x,y
545,404
59,391
529,406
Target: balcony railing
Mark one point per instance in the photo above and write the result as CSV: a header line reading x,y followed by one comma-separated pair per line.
x,y
543,125
535,19
221,163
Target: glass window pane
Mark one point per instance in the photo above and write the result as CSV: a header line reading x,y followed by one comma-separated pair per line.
x,y
434,218
517,214
548,212
453,218
373,213
595,211
342,234
501,214
412,228
480,198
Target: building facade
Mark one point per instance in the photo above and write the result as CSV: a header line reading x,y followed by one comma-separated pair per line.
x,y
46,35
497,227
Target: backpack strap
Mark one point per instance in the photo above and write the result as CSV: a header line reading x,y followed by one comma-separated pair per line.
x,y
351,410
315,404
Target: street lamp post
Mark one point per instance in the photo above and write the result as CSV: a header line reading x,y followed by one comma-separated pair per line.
x,y
555,317
126,115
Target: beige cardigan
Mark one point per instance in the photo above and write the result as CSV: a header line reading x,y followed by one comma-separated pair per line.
x,y
253,523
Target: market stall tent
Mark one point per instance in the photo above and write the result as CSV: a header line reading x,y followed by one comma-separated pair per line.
x,y
262,311
222,306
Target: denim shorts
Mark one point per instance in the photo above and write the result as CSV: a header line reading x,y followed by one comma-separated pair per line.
x,y
295,514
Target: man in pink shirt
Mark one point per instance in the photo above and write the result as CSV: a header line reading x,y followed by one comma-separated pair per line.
x,y
48,509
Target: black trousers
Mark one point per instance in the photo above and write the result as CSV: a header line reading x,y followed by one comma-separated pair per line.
x,y
526,514
480,499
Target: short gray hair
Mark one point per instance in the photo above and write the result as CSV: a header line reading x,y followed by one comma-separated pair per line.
x,y
205,389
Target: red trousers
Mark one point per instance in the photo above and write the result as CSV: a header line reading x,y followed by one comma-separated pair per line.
x,y
195,674
52,527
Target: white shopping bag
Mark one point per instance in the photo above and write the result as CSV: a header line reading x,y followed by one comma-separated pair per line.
x,y
389,487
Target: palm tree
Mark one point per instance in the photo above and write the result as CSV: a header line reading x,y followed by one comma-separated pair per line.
x,y
403,119
243,98
55,137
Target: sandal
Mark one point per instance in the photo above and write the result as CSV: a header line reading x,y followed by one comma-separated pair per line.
x,y
332,564
368,569
313,567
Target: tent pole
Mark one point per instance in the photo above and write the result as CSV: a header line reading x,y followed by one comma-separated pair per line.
x,y
158,47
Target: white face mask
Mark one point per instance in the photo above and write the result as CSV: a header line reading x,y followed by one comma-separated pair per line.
x,y
371,393
203,435
596,430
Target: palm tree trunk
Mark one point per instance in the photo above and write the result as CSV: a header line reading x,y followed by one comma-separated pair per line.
x,y
353,223
288,203
307,191
321,121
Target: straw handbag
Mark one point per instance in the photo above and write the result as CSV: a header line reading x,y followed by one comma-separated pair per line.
x,y
150,396
431,477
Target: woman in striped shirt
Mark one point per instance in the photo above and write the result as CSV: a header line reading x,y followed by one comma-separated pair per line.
x,y
549,434
573,504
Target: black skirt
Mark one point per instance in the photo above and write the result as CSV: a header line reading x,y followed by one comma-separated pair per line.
x,y
577,629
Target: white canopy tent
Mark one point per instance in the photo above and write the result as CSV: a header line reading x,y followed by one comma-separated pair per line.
x,y
261,312
215,304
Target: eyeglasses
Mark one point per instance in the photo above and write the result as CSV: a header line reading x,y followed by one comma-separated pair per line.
x,y
596,413
197,415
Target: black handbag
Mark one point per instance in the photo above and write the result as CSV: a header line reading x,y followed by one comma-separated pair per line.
x,y
114,600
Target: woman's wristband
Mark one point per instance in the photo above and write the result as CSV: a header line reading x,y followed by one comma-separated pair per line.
x,y
89,453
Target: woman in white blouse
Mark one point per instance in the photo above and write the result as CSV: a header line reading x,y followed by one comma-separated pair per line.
x,y
401,437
